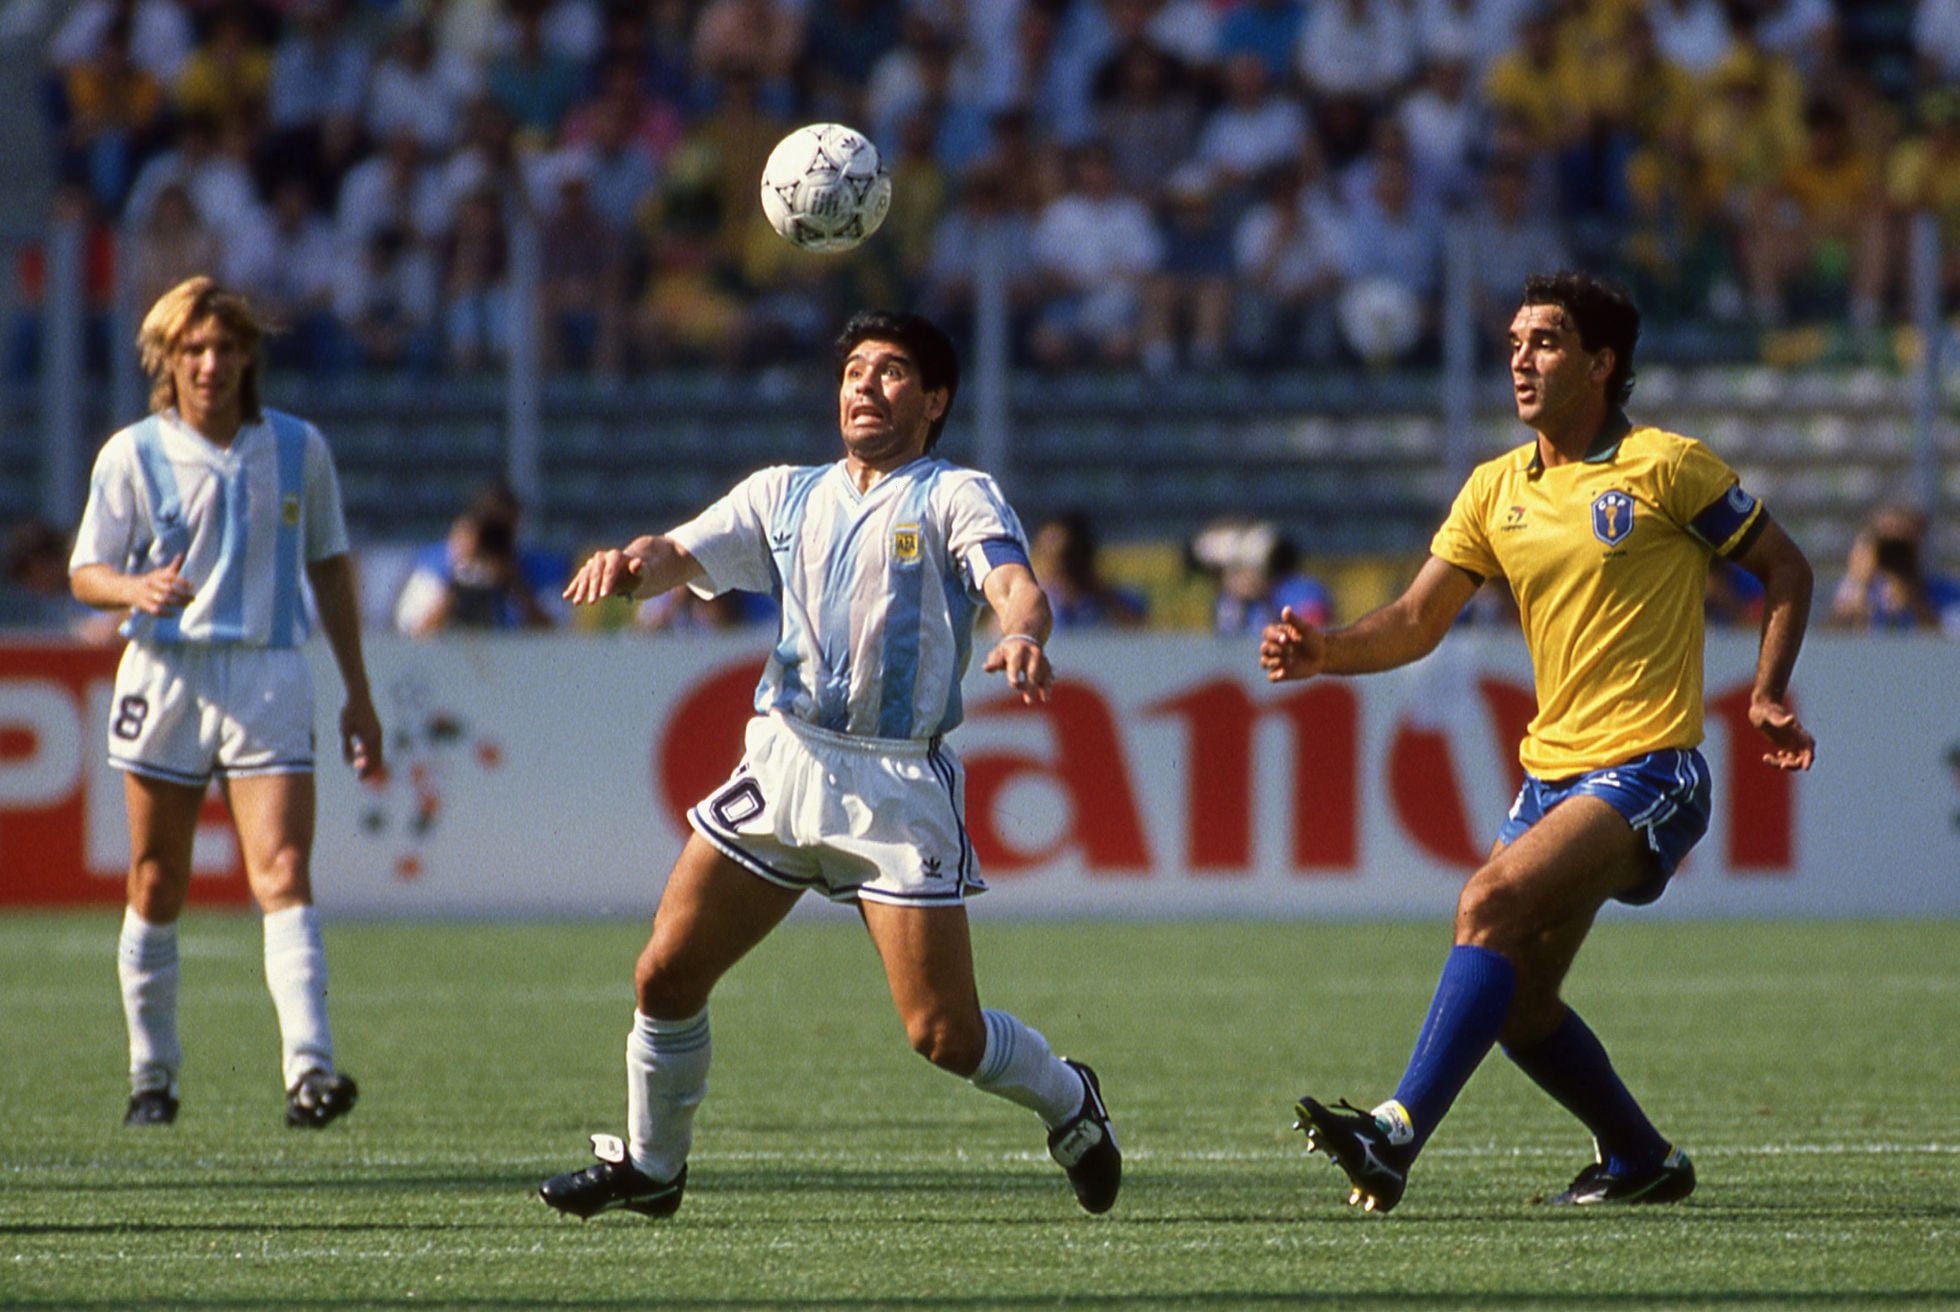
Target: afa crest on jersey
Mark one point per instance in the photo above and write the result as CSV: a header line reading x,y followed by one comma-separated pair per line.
x,y
1612,517
905,544
289,510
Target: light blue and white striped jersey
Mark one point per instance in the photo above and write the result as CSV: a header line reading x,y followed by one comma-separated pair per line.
x,y
878,590
246,518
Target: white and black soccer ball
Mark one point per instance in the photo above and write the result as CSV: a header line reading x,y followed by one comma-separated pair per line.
x,y
825,188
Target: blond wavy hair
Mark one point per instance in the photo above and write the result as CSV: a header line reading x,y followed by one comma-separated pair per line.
x,y
171,319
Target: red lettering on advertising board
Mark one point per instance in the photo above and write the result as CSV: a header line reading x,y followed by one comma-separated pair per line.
x,y
1759,803
56,809
61,807
1219,719
1424,787
1427,795
1089,769
703,742
1510,707
1761,799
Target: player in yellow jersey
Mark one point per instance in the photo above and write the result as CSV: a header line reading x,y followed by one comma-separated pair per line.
x,y
1605,531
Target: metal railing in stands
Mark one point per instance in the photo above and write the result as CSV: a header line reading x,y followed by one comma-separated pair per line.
x,y
66,403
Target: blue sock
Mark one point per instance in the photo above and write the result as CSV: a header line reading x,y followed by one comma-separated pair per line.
x,y
1572,1066
1472,999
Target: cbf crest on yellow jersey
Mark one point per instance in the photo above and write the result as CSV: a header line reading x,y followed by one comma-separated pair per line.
x,y
1608,558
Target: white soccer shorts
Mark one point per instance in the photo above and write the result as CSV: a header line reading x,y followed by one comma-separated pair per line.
x,y
879,819
184,711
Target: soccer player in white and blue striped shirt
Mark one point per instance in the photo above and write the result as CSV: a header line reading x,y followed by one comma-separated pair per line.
x,y
204,522
880,562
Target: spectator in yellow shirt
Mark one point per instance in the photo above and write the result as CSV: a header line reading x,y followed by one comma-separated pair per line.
x,y
1819,230
1746,133
1543,83
1923,176
229,75
1637,90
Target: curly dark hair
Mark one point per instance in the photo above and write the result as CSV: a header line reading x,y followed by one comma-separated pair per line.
x,y
1604,314
930,348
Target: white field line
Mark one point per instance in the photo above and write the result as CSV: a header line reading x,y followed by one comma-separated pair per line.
x,y
922,1158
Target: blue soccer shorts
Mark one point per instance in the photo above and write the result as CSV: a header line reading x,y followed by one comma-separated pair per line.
x,y
1663,795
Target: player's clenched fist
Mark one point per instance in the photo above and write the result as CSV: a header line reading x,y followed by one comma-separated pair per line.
x,y
1291,649
163,590
605,574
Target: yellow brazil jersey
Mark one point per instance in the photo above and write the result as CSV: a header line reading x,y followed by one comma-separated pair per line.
x,y
1608,558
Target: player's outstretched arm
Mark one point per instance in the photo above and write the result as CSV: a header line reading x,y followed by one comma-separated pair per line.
x,y
645,567
332,578
1025,621
1405,630
1787,582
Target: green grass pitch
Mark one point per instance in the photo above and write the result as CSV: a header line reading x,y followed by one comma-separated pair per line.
x,y
1812,1070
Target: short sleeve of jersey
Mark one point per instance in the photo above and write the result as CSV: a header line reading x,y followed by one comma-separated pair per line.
x,y
730,539
1464,540
326,519
108,529
982,530
1707,496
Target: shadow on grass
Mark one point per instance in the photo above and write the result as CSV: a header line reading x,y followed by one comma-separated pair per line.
x,y
1793,1298
1008,1190
152,1186
237,1228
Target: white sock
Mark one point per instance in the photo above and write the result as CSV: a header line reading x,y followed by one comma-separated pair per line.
x,y
666,1078
296,975
146,963
1018,1066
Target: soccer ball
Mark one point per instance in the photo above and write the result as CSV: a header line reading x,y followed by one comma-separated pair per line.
x,y
825,189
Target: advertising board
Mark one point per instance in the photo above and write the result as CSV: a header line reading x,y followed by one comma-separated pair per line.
x,y
547,776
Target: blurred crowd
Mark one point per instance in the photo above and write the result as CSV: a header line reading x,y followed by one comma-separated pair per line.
x,y
1166,182
484,575
1155,184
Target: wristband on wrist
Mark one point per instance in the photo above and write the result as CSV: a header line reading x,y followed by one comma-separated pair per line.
x,y
1028,638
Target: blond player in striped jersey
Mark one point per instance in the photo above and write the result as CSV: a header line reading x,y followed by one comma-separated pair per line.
x,y
205,521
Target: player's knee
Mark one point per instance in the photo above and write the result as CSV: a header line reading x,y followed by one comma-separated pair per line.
x,y
950,1043
664,990
283,880
148,877
1489,914
156,890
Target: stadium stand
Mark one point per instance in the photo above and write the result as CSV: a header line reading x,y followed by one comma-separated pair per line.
x,y
368,166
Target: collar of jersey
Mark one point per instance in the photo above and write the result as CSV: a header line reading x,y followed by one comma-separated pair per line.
x,y
1605,443
204,445
843,468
